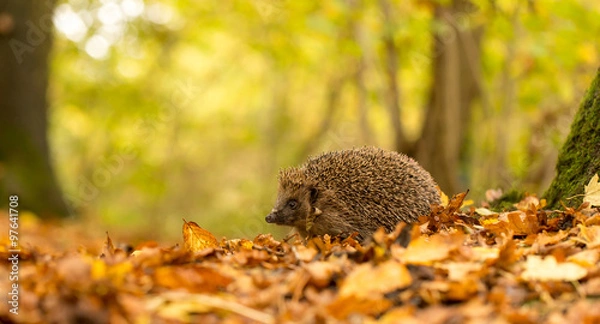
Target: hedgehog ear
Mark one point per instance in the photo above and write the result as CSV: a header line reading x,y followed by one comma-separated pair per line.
x,y
314,193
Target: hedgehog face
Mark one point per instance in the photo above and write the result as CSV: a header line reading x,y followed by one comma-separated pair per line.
x,y
291,208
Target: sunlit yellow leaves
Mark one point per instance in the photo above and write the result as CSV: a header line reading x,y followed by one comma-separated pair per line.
x,y
195,238
547,269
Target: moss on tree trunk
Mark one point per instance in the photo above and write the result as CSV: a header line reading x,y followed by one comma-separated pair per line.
x,y
579,158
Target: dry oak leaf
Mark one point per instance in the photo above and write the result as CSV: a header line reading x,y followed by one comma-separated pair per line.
x,y
425,251
341,308
457,271
363,290
545,238
592,192
522,223
530,202
590,236
548,269
484,253
367,281
304,253
195,238
177,307
586,258
193,278
321,273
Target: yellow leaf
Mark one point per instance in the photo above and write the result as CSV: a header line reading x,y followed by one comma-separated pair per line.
x,y
467,202
592,192
445,199
195,238
98,270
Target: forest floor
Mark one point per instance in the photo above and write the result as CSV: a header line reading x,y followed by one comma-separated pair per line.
x,y
462,264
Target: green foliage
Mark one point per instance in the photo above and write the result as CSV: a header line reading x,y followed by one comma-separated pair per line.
x,y
193,107
507,201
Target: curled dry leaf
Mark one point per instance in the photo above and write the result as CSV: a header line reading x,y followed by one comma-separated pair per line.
x,y
108,249
195,238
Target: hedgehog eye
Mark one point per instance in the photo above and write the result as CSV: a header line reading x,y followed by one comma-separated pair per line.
x,y
293,204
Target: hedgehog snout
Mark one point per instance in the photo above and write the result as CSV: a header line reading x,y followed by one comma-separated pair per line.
x,y
272,217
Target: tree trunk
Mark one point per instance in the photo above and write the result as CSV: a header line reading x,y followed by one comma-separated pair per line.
x,y
579,158
393,95
26,170
456,67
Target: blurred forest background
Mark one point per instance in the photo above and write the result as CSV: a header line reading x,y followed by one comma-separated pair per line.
x,y
163,109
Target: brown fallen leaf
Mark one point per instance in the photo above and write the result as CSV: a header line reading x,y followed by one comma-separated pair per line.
x,y
522,223
195,238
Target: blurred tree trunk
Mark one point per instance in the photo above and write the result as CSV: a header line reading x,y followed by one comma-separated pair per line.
x,y
360,39
456,69
25,167
392,97
334,89
579,158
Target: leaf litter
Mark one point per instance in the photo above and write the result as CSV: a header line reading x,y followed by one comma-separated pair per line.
x,y
461,263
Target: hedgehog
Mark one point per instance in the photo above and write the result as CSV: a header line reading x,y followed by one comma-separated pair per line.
x,y
356,190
